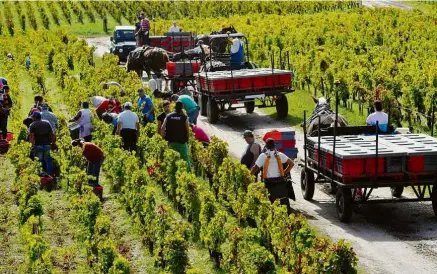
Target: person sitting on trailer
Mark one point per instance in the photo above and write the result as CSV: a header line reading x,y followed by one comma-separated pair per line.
x,y
237,51
253,150
174,27
190,106
200,135
273,174
378,116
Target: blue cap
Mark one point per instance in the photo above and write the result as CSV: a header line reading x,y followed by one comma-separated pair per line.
x,y
36,114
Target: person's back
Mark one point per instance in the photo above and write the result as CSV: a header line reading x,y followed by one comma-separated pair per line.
x,y
237,51
200,134
378,116
51,118
176,128
188,102
41,130
128,119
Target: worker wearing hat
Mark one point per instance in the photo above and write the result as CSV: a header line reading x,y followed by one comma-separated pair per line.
x,y
83,118
42,138
253,150
274,174
128,127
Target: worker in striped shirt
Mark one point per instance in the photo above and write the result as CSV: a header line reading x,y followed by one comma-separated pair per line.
x,y
145,28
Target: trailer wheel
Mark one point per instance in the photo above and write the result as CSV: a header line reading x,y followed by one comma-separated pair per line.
x,y
212,111
333,188
307,184
343,203
203,101
250,106
397,191
434,199
281,106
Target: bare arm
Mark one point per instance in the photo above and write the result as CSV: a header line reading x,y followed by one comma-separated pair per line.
x,y
163,128
290,165
254,170
118,127
137,126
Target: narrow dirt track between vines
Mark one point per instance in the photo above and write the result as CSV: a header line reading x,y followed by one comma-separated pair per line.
x,y
388,238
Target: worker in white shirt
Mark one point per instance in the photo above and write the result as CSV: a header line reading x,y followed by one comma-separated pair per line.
x,y
378,116
174,28
274,174
128,127
201,47
237,51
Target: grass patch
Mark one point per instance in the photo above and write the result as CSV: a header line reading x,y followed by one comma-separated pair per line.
x,y
300,101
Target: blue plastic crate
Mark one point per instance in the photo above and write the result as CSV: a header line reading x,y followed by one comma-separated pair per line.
x,y
288,135
291,153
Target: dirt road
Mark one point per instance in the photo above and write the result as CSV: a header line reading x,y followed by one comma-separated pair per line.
x,y
388,238
386,4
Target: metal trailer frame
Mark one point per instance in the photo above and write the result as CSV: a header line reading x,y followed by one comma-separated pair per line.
x,y
346,193
211,103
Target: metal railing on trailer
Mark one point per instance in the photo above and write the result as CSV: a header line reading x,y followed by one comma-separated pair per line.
x,y
344,197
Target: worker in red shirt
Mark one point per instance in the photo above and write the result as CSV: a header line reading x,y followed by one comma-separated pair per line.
x,y
94,156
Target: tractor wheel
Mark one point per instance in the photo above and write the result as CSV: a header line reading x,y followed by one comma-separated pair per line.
x,y
307,184
212,111
343,202
397,191
203,101
249,106
434,198
281,106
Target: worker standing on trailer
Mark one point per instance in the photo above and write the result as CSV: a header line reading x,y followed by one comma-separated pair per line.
x,y
175,131
128,127
138,36
253,150
145,29
273,174
191,108
83,117
237,51
378,116
145,106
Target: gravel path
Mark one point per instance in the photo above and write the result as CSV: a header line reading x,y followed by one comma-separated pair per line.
x,y
388,238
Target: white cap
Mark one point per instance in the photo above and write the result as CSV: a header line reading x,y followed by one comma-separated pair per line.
x,y
128,104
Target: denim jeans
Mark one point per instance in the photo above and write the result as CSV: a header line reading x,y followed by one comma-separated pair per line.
x,y
192,116
43,154
93,169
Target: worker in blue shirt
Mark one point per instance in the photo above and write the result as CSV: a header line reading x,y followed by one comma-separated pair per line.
x,y
145,106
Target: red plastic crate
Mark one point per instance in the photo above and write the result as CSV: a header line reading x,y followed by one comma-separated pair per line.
x,y
288,143
370,165
98,189
171,68
284,79
46,180
4,146
416,164
245,83
350,167
259,81
275,135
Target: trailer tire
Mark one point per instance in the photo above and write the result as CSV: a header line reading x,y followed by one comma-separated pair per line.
x,y
307,185
434,199
203,101
212,111
333,188
343,204
397,191
249,106
281,106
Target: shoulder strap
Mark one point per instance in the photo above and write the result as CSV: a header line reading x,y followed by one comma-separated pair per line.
x,y
280,167
266,166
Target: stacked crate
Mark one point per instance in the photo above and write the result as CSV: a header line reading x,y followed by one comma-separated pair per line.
x,y
285,142
182,68
245,79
